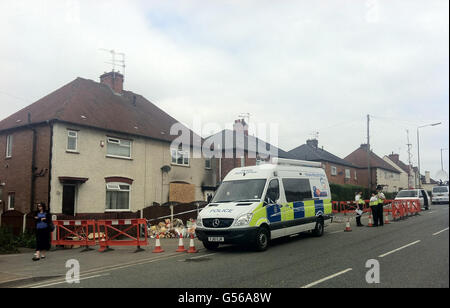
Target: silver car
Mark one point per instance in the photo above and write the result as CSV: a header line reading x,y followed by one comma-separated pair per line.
x,y
419,194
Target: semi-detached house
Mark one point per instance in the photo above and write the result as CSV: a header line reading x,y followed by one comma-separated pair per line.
x,y
92,147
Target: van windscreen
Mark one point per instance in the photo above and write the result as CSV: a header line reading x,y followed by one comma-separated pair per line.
x,y
441,189
239,191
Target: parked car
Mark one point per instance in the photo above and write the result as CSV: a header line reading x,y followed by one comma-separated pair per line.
x,y
439,194
419,194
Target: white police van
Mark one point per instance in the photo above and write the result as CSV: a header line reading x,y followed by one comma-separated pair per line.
x,y
256,204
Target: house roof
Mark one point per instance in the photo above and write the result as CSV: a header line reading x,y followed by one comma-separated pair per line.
x,y
395,159
89,103
228,141
359,158
312,153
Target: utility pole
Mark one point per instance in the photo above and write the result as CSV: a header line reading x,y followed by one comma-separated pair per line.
x,y
409,159
368,154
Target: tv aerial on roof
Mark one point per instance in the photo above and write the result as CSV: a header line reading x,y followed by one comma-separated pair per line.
x,y
117,59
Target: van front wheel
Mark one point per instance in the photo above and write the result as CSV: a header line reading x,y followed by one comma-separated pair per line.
x,y
262,239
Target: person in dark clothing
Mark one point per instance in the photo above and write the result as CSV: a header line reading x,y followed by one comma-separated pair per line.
x,y
43,229
380,205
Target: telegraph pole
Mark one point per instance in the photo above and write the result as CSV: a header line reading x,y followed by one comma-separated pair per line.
x,y
368,154
409,159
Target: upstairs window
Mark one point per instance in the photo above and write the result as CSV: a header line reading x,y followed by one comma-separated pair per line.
x,y
180,157
347,173
333,170
72,141
118,148
11,201
9,145
208,163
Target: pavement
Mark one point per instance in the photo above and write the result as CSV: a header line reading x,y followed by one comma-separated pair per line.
x,y
411,253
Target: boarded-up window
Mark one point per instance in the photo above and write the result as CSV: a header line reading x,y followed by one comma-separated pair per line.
x,y
181,192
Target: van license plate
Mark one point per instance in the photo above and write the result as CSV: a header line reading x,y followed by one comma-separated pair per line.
x,y
216,239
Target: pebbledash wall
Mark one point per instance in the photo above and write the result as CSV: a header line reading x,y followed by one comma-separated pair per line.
x,y
149,183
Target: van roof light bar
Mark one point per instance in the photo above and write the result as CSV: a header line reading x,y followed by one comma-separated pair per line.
x,y
295,162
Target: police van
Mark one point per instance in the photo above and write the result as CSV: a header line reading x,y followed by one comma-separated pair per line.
x,y
256,204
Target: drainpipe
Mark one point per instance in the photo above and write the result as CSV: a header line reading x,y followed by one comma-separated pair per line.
x,y
33,163
24,223
50,123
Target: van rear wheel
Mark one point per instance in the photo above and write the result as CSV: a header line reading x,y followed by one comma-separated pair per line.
x,y
318,231
262,239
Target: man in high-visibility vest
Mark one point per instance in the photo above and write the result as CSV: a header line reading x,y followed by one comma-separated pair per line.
x,y
374,208
380,204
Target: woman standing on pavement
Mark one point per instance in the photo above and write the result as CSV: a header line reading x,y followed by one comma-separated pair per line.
x,y
359,208
43,229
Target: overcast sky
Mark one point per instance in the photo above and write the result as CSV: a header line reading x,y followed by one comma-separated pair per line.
x,y
309,66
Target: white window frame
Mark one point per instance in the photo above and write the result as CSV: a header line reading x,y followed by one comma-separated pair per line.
x,y
348,174
356,177
242,161
9,201
115,186
174,154
76,140
9,146
112,140
333,170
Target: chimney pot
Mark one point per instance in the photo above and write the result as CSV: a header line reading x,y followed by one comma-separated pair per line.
x,y
114,80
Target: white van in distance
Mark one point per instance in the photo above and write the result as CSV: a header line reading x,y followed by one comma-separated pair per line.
x,y
439,194
256,204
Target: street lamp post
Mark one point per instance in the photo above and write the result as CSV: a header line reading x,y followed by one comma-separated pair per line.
x,y
418,149
442,163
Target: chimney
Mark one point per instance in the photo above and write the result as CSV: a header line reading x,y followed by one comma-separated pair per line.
x,y
427,177
241,126
114,80
364,146
394,157
313,143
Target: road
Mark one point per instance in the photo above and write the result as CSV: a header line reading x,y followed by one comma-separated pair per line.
x,y
411,253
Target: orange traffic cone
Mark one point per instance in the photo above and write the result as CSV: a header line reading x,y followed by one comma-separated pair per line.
x,y
192,245
386,218
181,245
158,248
369,224
347,226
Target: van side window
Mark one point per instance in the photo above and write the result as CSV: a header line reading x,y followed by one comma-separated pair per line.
x,y
297,189
273,191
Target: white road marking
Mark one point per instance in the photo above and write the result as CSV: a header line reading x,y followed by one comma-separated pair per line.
x,y
336,232
61,282
327,278
400,248
211,254
431,212
112,268
440,231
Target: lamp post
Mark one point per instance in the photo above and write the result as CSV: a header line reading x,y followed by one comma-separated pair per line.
x,y
442,164
418,149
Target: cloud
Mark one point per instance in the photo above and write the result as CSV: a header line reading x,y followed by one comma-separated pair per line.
x,y
308,66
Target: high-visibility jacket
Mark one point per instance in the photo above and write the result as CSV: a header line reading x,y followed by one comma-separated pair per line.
x,y
381,198
373,201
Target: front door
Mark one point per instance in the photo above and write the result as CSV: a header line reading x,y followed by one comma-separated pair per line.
x,y
68,206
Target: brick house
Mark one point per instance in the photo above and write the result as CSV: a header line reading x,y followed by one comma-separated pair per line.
x,y
94,148
239,149
381,172
338,170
